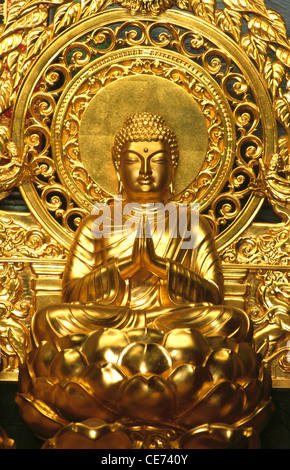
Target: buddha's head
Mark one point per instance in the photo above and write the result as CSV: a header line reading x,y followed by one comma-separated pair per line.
x,y
145,154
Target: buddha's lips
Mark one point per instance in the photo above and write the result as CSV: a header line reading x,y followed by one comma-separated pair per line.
x,y
145,180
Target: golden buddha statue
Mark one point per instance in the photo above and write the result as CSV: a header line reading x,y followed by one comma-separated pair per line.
x,y
142,353
126,281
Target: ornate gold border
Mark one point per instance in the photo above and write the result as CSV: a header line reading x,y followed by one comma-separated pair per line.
x,y
179,18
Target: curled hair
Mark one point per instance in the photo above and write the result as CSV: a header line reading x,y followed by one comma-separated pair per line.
x,y
145,127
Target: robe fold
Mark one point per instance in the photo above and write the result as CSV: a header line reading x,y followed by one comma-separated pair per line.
x,y
95,295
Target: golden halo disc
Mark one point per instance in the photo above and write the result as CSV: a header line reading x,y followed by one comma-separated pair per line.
x,y
107,111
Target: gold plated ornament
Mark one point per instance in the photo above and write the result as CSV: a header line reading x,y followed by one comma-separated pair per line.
x,y
148,382
71,73
147,284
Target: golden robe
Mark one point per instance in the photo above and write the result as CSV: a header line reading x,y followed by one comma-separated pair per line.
x,y
95,295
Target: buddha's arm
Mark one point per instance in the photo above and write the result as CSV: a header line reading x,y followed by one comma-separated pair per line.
x,y
88,277
197,279
201,281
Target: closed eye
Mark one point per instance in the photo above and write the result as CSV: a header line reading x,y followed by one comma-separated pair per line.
x,y
132,158
159,159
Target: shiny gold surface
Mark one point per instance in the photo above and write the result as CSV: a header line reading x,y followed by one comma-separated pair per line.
x,y
222,95
219,76
14,172
95,434
140,379
102,117
91,434
123,281
184,359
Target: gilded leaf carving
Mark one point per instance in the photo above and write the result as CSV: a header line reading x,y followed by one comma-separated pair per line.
x,y
14,339
256,49
268,30
282,110
204,8
271,247
258,6
12,42
278,24
17,241
230,21
94,6
6,87
15,11
31,20
66,16
274,73
283,55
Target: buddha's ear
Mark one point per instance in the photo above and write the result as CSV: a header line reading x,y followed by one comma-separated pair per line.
x,y
171,190
120,183
115,159
171,186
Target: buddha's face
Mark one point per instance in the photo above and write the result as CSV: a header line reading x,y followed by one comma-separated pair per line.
x,y
146,171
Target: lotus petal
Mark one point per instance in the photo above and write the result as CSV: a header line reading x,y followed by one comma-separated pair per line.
x,y
223,403
265,378
75,403
104,380
147,358
221,342
71,341
259,416
225,364
104,345
254,392
67,365
24,378
219,436
41,388
43,358
186,345
42,420
250,360
91,434
148,399
185,381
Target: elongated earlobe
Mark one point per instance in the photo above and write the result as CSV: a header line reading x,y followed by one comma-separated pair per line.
x,y
171,190
120,184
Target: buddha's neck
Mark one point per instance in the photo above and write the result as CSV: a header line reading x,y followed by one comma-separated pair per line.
x,y
145,205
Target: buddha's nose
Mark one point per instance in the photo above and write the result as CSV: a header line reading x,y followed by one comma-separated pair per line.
x,y
145,167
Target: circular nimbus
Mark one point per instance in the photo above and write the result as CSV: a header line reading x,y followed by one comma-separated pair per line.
x,y
114,103
107,91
